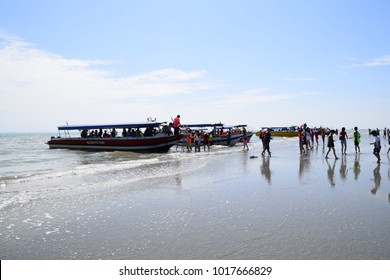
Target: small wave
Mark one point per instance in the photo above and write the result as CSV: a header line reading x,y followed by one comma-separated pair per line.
x,y
81,170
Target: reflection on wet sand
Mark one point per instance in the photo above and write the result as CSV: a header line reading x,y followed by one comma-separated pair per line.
x,y
178,180
265,169
377,178
331,172
343,168
356,166
304,165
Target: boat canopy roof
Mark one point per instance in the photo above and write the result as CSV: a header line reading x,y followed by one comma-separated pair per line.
x,y
218,125
280,128
201,125
108,126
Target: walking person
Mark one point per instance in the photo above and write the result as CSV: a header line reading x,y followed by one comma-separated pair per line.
x,y
331,145
266,140
356,139
343,139
377,145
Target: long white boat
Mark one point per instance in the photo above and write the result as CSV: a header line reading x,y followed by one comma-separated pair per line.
x,y
135,137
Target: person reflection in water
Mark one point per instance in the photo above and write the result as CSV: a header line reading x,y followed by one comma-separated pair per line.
x,y
356,166
343,169
265,169
331,173
377,178
304,165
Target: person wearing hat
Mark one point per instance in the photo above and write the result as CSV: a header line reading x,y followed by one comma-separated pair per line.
x,y
176,125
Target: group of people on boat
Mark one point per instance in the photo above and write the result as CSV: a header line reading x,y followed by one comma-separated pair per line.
x,y
98,133
126,132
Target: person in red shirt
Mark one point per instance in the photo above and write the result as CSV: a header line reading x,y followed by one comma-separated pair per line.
x,y
343,139
176,125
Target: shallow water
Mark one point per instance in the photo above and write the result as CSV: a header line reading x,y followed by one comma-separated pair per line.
x,y
61,204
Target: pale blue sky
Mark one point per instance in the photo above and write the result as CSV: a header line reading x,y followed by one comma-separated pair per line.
x,y
256,62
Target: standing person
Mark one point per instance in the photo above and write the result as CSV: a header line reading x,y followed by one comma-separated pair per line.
x,y
356,139
189,139
331,145
308,139
206,141
211,139
377,145
245,140
301,138
322,131
266,140
316,132
389,144
261,137
388,139
197,142
229,137
176,125
343,139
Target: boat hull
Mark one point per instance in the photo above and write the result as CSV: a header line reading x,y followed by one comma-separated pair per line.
x,y
134,144
281,133
219,140
284,133
223,140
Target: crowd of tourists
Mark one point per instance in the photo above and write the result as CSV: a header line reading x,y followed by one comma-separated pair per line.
x,y
308,137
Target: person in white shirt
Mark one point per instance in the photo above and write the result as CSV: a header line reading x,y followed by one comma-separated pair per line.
x,y
377,145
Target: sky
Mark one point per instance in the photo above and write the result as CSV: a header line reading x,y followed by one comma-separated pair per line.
x,y
256,62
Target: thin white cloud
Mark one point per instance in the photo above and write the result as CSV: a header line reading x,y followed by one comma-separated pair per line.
x,y
43,86
376,62
165,82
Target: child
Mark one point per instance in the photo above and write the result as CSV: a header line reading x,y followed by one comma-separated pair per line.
x,y
343,140
331,145
356,139
377,145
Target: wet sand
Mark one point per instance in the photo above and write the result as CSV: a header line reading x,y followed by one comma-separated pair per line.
x,y
218,205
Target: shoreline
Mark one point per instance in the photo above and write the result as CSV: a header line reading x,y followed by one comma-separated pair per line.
x,y
210,205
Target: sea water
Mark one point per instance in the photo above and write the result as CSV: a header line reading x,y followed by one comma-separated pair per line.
x,y
223,204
